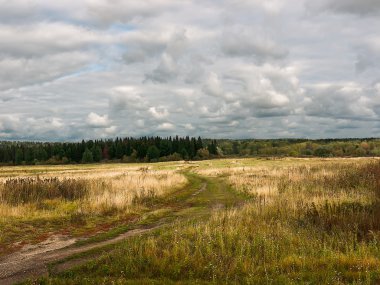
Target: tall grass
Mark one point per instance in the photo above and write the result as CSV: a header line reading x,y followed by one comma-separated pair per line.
x,y
308,223
77,202
105,192
16,191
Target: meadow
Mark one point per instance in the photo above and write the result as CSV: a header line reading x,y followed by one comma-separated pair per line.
x,y
225,221
36,202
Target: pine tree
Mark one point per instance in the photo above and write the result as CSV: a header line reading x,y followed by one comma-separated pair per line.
x,y
87,156
19,156
96,153
153,153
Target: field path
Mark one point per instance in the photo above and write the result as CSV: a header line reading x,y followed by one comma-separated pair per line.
x,y
22,265
201,197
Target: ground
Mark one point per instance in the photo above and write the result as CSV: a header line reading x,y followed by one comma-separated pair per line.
x,y
243,221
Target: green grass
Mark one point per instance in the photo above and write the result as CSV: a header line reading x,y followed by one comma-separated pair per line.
x,y
221,236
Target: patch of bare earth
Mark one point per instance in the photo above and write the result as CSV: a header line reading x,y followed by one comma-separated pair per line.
x,y
32,260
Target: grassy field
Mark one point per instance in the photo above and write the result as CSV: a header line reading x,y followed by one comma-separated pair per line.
x,y
36,202
233,221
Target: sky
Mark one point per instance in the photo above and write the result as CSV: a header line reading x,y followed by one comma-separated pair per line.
x,y
91,69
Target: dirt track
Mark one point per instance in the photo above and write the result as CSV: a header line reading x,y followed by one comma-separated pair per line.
x,y
32,261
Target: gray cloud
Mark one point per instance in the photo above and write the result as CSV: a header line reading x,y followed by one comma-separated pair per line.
x,y
368,55
46,38
348,101
243,41
18,72
363,7
234,68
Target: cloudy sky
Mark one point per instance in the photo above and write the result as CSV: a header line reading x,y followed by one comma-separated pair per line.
x,y
78,69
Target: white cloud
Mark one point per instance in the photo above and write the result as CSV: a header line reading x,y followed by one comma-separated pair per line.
x,y
236,68
166,127
158,112
97,121
213,85
189,127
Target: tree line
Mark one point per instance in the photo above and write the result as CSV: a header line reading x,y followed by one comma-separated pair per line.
x,y
152,149
301,147
143,149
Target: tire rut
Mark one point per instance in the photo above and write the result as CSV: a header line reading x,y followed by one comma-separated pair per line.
x,y
20,266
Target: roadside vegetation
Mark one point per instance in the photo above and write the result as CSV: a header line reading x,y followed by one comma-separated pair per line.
x,y
292,221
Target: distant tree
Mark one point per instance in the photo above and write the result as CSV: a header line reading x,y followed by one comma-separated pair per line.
x,y
29,156
87,156
153,153
165,147
199,143
235,148
212,147
96,153
119,150
322,152
41,154
112,151
105,153
203,153
19,156
183,152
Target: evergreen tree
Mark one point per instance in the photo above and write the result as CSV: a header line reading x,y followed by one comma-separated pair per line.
x,y
87,156
96,153
199,143
41,154
153,153
212,148
119,150
183,152
19,156
29,156
165,148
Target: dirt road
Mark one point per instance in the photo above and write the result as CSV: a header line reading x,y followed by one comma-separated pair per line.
x,y
32,261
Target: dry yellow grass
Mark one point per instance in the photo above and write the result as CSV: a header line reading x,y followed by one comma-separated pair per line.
x,y
298,180
109,188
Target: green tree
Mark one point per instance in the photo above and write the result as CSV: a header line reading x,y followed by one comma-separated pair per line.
x,y
19,157
119,150
153,153
96,153
199,143
212,148
87,156
183,152
41,154
322,152
29,156
165,147
236,146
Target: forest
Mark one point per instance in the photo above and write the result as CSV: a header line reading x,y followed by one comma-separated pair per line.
x,y
154,149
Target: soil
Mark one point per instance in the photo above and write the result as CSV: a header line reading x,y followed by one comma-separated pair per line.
x,y
32,260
